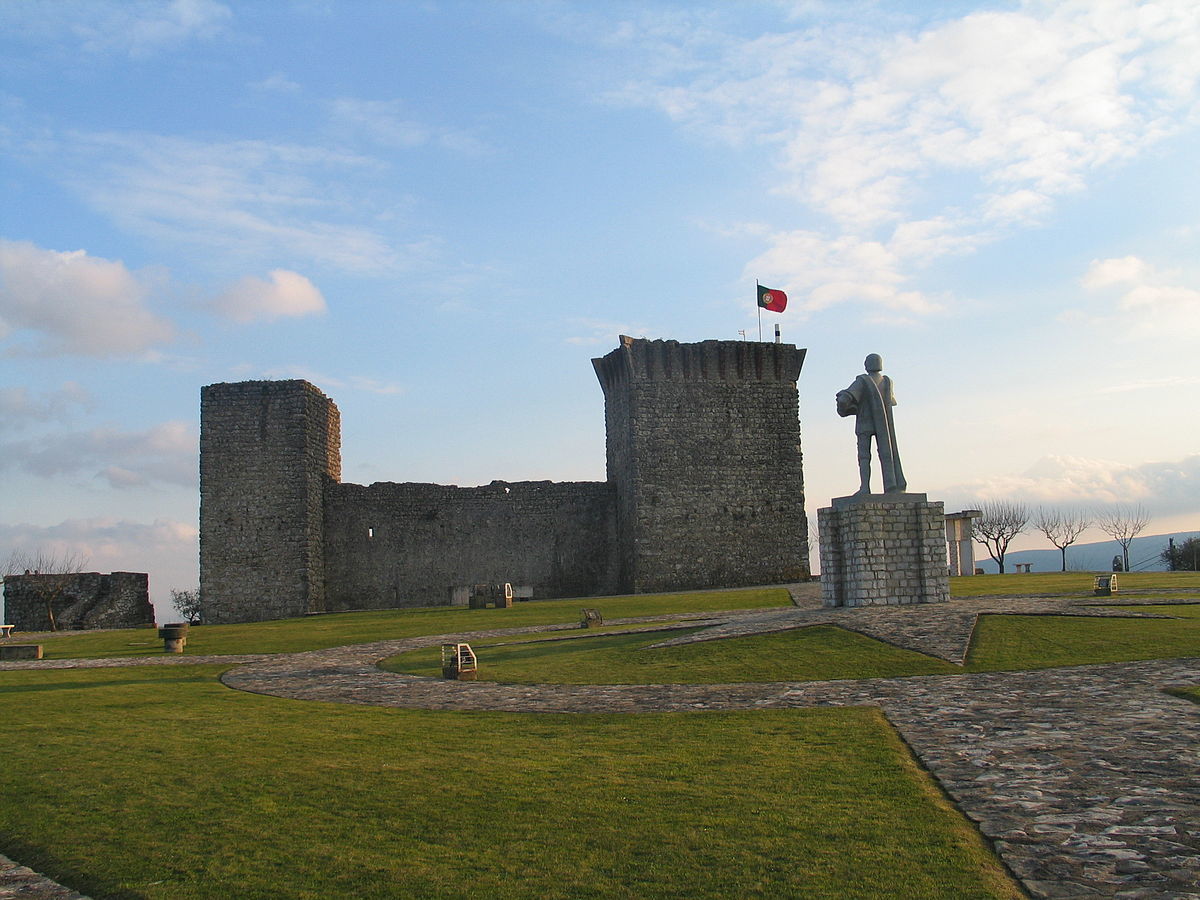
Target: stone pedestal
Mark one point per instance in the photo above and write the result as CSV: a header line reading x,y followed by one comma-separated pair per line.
x,y
883,550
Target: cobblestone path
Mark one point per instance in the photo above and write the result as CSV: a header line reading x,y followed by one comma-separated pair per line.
x,y
1086,778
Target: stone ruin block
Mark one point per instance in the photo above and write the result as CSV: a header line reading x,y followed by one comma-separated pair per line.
x,y
79,600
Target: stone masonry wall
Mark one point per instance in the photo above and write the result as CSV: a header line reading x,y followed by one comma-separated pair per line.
x,y
267,449
883,550
391,545
704,454
80,600
705,489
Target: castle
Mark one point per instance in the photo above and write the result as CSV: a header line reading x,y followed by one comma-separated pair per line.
x,y
705,489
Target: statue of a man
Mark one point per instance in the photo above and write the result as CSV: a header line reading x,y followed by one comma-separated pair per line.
x,y
870,400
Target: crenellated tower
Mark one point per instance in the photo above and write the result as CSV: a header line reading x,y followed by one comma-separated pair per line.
x,y
704,456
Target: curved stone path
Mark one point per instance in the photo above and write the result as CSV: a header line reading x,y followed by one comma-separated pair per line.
x,y
1086,779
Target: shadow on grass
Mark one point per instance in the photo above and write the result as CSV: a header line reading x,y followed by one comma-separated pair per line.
x,y
30,688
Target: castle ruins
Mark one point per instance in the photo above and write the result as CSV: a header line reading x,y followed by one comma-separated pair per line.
x,y
705,489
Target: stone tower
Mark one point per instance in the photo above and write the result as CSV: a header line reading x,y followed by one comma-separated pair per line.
x,y
704,455
267,450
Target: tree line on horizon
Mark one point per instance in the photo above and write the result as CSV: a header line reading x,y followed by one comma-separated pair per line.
x,y
1002,520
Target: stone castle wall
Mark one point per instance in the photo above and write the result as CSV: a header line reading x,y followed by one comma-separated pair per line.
x,y
703,445
80,600
267,449
390,545
705,489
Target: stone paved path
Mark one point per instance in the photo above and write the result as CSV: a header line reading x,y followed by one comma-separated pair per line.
x,y
1086,778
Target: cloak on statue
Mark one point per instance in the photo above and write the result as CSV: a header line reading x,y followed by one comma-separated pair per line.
x,y
872,404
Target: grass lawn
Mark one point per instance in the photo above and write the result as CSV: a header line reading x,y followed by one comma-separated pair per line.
x,y
1189,693
338,629
161,783
1066,583
823,652
1036,642
804,654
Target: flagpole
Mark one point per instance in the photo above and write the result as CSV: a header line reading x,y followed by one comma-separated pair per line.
x,y
759,305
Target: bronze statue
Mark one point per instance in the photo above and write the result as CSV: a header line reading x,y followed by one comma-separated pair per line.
x,y
870,400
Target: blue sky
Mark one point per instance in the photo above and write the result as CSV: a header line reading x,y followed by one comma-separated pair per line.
x,y
440,212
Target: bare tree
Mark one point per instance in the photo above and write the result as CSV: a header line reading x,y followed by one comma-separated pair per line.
x,y
187,604
1123,524
55,570
1000,521
1061,528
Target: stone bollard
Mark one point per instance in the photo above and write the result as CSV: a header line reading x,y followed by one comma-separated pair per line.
x,y
174,635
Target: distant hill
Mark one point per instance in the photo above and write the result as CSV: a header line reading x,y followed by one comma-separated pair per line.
x,y
1143,555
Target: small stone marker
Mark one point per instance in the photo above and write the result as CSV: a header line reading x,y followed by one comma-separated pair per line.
x,y
20,651
591,617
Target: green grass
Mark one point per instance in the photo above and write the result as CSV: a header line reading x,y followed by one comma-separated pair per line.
x,y
1066,583
804,654
819,653
1035,642
160,783
338,629
1187,693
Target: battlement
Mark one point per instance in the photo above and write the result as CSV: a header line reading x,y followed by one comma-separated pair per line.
x,y
638,359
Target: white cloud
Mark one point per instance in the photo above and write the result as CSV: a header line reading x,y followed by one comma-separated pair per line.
x,y
20,407
277,83
163,454
286,295
134,27
1164,488
73,303
241,199
1149,304
979,123
384,122
820,272
1104,273
381,121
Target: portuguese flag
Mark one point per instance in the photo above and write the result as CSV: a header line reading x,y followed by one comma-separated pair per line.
x,y
775,301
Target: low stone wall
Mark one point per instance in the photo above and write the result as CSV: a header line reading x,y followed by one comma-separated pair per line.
x,y
79,600
883,549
